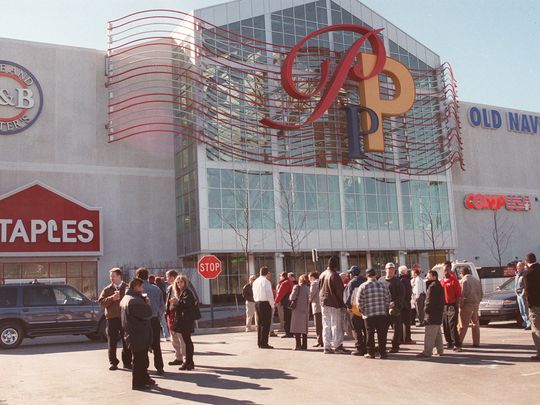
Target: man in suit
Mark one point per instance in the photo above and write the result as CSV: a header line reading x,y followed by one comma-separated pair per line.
x,y
110,300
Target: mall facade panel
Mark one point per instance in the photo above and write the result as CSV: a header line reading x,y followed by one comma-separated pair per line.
x,y
496,197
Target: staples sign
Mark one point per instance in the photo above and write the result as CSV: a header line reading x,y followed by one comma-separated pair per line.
x,y
37,220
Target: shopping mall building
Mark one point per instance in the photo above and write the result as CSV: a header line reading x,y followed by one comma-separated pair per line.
x,y
205,133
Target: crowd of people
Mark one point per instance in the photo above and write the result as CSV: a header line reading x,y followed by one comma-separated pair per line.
x,y
137,314
362,306
365,306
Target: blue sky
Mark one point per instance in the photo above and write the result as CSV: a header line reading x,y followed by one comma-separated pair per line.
x,y
493,45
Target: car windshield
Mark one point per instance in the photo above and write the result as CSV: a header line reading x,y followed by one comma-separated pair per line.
x,y
508,285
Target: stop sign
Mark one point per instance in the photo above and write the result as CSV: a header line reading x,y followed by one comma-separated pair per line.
x,y
209,266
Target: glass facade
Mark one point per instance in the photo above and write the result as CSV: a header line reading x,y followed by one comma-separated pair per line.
x,y
370,203
311,201
425,205
239,199
325,194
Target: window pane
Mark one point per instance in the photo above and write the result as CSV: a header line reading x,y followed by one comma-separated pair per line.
x,y
38,296
8,297
227,179
74,269
213,178
214,198
214,219
57,269
35,270
350,220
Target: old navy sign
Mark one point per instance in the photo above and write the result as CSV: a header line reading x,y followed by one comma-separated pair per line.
x,y
365,119
495,202
490,118
38,221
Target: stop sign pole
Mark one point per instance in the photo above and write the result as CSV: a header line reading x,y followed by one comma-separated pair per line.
x,y
209,267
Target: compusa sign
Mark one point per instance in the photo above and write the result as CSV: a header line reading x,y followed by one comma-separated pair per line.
x,y
21,98
38,221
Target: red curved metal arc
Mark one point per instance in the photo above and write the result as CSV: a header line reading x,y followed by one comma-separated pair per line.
x,y
422,144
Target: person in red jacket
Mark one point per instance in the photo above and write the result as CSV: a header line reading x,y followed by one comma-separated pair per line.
x,y
452,296
284,290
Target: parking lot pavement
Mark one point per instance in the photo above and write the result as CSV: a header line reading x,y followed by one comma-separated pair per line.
x,y
230,369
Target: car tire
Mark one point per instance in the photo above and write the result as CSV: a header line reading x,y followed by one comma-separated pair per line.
x,y
484,322
11,335
100,335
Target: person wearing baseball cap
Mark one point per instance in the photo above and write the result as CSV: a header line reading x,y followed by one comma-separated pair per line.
x,y
397,293
358,325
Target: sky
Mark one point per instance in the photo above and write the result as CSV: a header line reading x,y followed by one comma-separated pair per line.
x,y
492,45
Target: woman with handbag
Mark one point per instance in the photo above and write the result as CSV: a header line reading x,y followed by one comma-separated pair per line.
x,y
186,313
299,304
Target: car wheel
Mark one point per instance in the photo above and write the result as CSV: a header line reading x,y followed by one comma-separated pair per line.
x,y
11,335
100,334
484,322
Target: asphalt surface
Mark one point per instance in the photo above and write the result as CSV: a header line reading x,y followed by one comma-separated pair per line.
x,y
230,369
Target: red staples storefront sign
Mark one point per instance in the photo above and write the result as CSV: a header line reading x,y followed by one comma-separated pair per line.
x,y
38,221
496,201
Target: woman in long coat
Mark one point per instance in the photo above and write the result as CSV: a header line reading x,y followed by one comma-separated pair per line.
x,y
300,313
186,312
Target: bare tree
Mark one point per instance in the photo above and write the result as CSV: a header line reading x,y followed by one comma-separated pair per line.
x,y
241,225
501,234
293,222
433,228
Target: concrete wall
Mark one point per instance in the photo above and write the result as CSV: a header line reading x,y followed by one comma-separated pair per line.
x,y
67,149
497,161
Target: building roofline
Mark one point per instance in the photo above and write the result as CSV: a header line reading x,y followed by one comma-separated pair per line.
x,y
79,48
312,1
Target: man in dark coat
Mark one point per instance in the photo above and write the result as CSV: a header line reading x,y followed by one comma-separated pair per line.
x,y
136,315
406,312
433,308
532,294
358,325
397,293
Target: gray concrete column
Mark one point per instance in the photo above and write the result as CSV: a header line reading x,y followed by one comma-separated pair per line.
x,y
344,260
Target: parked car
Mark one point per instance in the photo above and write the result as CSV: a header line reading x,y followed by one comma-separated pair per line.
x,y
457,265
500,305
32,310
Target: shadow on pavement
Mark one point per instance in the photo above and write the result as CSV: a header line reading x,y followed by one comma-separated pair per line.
x,y
214,354
253,373
37,347
467,358
200,398
215,381
209,343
